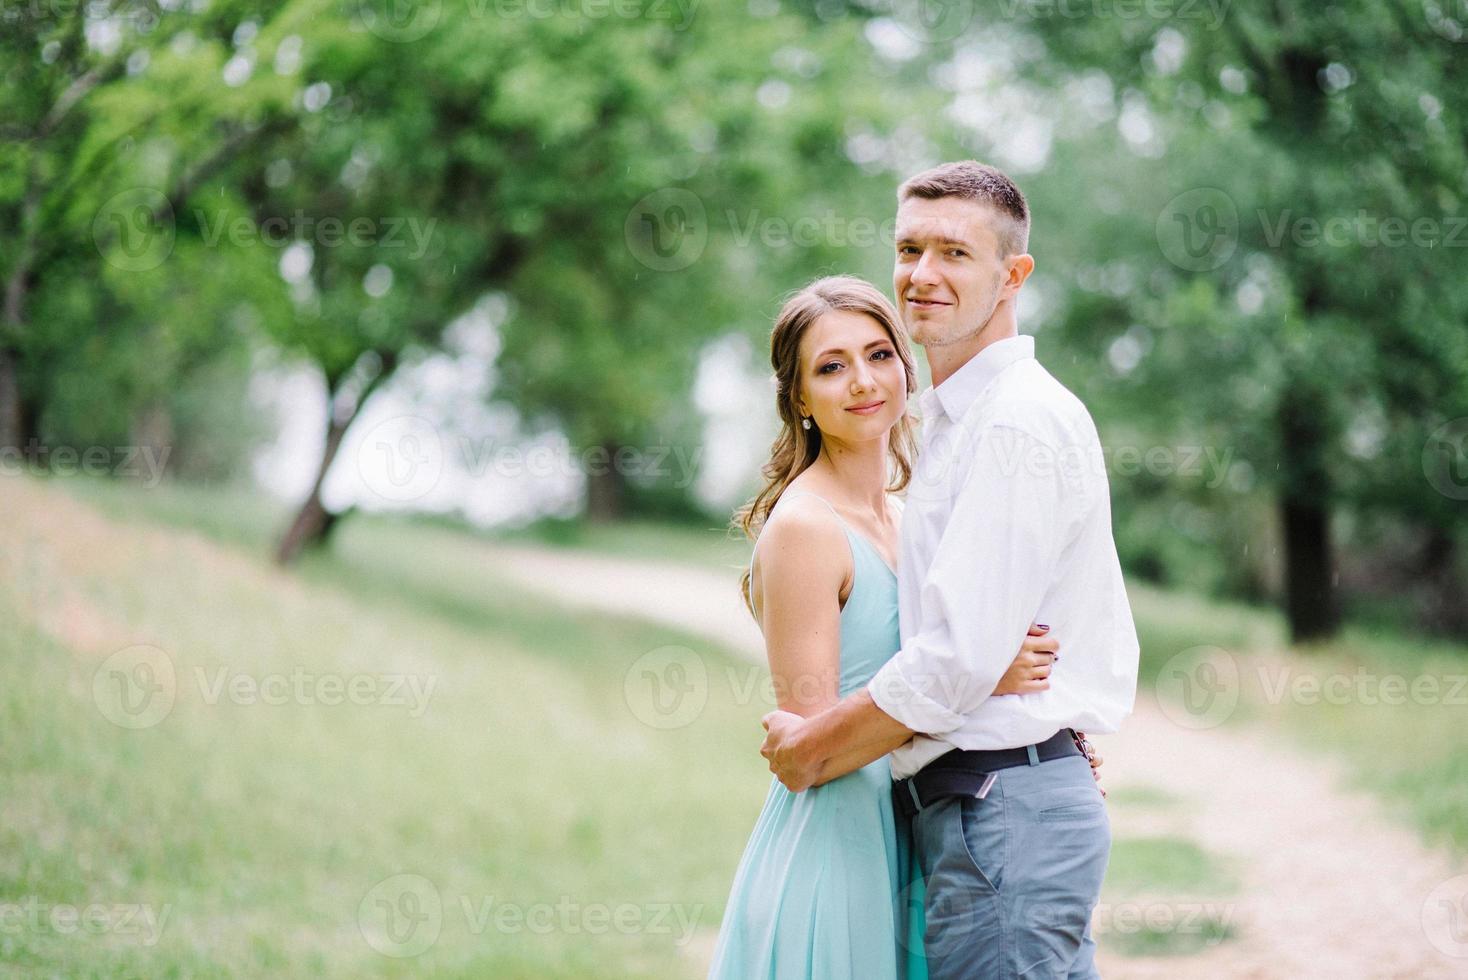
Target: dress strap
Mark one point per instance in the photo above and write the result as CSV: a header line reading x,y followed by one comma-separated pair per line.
x,y
791,496
807,493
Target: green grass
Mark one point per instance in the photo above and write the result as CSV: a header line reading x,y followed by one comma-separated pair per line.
x,y
530,780
1164,895
1165,866
1142,797
532,784
1411,755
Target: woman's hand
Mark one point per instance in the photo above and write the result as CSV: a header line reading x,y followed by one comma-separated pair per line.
x,y
1030,672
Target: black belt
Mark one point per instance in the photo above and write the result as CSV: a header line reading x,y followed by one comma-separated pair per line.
x,y
963,772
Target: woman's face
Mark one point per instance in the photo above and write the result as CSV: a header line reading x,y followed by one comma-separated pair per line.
x,y
851,379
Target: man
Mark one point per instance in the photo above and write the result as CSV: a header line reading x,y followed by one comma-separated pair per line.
x,y
1008,522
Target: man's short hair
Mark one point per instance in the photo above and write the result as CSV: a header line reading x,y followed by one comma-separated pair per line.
x,y
975,181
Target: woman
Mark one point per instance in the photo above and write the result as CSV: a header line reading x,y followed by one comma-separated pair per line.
x,y
825,883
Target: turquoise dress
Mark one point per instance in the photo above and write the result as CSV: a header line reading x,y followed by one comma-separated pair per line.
x,y
827,886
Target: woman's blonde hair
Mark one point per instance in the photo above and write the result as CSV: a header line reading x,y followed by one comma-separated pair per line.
x,y
796,448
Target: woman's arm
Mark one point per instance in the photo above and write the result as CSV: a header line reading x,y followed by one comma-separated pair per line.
x,y
802,563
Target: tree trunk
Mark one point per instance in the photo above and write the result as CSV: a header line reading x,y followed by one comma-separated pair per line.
x,y
1310,580
313,522
312,519
1442,607
12,414
606,486
153,433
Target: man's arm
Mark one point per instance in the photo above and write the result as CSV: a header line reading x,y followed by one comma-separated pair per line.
x,y
992,569
852,733
1029,673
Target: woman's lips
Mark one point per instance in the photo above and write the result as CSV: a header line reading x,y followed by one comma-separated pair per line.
x,y
866,409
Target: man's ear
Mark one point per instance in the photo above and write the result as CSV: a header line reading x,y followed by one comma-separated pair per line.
x,y
1020,267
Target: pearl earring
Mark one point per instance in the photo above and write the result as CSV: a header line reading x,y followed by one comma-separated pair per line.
x,y
805,423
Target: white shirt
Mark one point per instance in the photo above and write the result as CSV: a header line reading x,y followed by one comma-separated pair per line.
x,y
1008,522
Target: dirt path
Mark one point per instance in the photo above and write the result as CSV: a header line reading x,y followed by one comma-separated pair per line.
x,y
1327,886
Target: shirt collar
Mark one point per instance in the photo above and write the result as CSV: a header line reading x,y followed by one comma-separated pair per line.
x,y
963,387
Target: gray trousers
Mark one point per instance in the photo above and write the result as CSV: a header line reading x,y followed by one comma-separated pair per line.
x,y
1012,879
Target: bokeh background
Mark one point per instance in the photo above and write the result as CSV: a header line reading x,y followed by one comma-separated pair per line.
x,y
377,378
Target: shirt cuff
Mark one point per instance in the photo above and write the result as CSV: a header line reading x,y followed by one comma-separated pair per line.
x,y
896,695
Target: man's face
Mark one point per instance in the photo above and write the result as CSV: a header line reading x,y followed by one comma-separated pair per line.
x,y
948,274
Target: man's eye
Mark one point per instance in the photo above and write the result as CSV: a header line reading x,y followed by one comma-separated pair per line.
x,y
957,253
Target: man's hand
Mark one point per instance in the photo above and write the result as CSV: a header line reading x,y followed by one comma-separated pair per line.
x,y
1084,744
781,749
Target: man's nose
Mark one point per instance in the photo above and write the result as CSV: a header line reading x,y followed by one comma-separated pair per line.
x,y
926,271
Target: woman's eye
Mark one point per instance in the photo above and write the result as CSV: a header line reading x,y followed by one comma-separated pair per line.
x,y
828,368
883,354
957,253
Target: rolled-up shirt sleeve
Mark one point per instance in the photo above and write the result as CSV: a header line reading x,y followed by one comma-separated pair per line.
x,y
994,564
